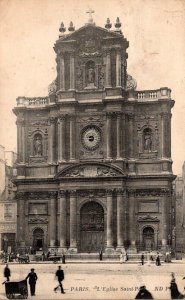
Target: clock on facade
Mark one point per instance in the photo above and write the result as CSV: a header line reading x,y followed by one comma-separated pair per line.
x,y
91,137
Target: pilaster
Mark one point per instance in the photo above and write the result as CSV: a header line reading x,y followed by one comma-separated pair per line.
x,y
73,222
110,247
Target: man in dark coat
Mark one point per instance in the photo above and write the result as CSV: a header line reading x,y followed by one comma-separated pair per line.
x,y
60,275
143,293
142,259
7,273
32,281
175,294
158,261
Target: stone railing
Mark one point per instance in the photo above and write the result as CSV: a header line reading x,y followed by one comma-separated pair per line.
x,y
35,101
149,95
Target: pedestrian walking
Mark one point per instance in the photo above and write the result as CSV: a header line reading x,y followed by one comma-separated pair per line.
x,y
174,291
60,275
143,293
32,281
7,273
63,259
142,259
100,255
121,258
158,261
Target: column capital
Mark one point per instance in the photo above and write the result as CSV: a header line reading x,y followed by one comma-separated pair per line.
x,y
109,192
20,195
62,193
109,114
20,122
121,192
61,118
52,194
71,117
72,193
130,116
52,120
117,114
131,192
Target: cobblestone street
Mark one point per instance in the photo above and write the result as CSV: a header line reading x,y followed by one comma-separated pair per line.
x,y
100,280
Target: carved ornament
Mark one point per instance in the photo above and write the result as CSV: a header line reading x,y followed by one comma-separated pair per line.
x,y
148,218
37,220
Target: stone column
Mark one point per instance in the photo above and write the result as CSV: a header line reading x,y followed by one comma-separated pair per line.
x,y
108,132
19,140
62,73
108,70
62,226
164,134
21,218
118,68
120,219
61,138
72,137
132,223
51,140
23,141
123,132
53,218
73,222
118,134
165,220
72,71
109,221
131,135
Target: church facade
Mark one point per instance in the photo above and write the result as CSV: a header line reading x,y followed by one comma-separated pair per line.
x,y
94,168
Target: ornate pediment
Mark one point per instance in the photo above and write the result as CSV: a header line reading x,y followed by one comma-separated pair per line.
x,y
148,218
87,170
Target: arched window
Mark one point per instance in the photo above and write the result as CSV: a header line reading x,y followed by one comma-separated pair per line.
x,y
147,139
37,145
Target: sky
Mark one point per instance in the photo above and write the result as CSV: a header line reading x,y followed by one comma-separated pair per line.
x,y
156,54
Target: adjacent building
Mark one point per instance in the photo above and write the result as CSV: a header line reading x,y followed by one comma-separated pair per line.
x,y
179,230
94,167
8,205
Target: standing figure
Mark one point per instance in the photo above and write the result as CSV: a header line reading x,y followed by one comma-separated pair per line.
x,y
100,255
60,275
147,141
7,273
143,293
142,259
175,294
63,259
121,258
158,261
32,281
38,146
91,75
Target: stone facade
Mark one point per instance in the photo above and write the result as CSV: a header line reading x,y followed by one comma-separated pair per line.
x,y
94,156
179,230
8,205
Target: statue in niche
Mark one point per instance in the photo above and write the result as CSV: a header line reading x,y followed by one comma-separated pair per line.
x,y
90,75
147,140
38,146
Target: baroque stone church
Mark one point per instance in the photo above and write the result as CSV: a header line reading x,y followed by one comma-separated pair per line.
x,y
94,168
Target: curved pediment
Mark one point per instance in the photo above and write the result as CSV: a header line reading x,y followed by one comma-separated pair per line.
x,y
86,170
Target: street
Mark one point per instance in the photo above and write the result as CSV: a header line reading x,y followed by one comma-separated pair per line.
x,y
99,280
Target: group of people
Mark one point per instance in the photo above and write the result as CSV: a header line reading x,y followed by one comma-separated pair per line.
x,y
32,279
151,258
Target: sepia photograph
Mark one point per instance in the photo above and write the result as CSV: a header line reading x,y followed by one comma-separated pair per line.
x,y
92,149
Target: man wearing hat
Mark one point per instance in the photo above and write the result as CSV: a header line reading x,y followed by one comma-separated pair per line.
x,y
143,293
32,281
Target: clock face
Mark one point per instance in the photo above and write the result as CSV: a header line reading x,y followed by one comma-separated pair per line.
x,y
91,138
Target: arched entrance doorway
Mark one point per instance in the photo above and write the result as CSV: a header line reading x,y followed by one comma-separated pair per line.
x,y
148,238
91,227
38,239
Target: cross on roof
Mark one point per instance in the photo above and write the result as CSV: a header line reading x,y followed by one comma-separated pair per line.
x,y
90,12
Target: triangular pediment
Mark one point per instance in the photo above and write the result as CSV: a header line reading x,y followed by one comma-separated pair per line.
x,y
89,31
89,170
